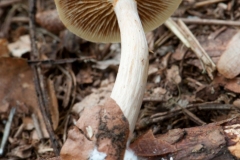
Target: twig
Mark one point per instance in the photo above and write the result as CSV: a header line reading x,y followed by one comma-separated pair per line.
x,y
19,131
207,2
7,130
5,27
68,87
192,108
43,103
208,21
39,82
37,126
32,28
59,61
192,116
65,128
20,19
8,3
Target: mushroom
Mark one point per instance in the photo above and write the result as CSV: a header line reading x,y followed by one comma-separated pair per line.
x,y
115,20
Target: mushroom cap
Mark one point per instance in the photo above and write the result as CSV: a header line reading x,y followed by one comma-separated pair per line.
x,y
95,20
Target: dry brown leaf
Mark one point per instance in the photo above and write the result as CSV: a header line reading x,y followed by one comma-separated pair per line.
x,y
147,145
152,70
180,52
16,84
229,84
4,107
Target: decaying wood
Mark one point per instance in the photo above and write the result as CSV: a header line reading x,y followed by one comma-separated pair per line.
x,y
219,140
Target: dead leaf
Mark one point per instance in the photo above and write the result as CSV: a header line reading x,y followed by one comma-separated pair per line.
x,y
16,84
152,70
4,107
180,52
147,145
229,84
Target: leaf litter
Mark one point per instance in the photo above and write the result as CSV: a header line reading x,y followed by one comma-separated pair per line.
x,y
180,92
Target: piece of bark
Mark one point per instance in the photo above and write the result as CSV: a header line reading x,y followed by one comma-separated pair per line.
x,y
102,127
214,141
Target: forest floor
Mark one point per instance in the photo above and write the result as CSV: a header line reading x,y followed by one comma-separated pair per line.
x,y
191,84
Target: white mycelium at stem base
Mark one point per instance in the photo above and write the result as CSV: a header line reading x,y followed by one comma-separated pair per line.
x,y
132,74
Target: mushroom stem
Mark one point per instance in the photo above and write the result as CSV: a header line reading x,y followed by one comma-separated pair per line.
x,y
132,74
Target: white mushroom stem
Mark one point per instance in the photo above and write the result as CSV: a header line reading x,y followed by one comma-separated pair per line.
x,y
132,74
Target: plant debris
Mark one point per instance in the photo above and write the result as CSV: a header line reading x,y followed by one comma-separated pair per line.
x,y
192,90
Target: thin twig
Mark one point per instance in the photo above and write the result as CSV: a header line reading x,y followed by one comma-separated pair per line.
x,y
6,24
32,28
7,130
39,82
20,19
43,103
8,3
209,21
59,61
37,126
